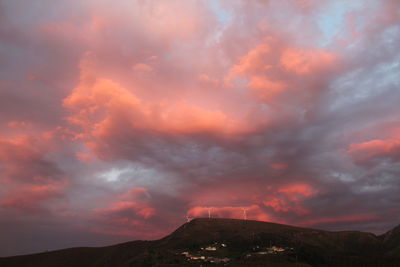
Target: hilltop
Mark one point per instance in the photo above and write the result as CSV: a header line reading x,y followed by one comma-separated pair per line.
x,y
231,242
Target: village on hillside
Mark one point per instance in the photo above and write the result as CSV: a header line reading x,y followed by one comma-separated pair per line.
x,y
219,253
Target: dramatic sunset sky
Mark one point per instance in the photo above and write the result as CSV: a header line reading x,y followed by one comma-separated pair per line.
x,y
119,118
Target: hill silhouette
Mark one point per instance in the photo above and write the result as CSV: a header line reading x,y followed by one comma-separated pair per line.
x,y
231,242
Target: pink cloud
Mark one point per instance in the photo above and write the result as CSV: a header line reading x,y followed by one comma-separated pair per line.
x,y
278,166
142,67
133,202
117,103
294,191
365,151
129,211
288,198
25,161
32,198
103,109
32,182
333,220
253,212
196,109
19,124
304,62
126,208
265,88
275,70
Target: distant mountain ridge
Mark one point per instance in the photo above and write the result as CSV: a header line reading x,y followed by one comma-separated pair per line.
x,y
231,242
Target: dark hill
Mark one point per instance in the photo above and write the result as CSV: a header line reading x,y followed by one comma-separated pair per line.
x,y
233,243
391,241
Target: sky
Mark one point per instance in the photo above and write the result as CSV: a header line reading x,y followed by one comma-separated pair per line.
x,y
120,119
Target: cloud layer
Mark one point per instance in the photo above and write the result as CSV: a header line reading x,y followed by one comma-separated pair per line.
x,y
120,119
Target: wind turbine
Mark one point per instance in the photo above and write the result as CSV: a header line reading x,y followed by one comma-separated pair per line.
x,y
188,219
209,213
244,213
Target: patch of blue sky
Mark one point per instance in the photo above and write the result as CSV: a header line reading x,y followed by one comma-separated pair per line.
x,y
331,21
222,14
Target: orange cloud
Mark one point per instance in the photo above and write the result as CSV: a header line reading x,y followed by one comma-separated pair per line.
x,y
254,61
141,67
289,198
259,67
303,62
272,68
103,108
206,79
265,88
104,103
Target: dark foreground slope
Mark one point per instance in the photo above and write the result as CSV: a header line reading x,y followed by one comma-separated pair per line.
x,y
233,243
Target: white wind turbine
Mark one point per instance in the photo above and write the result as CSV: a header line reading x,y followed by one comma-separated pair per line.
x,y
209,213
188,219
244,213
